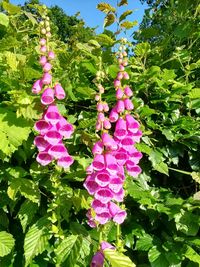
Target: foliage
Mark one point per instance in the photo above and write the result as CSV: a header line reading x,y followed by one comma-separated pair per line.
x,y
42,211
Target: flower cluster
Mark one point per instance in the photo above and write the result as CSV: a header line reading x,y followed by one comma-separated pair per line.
x,y
52,127
105,176
113,156
127,131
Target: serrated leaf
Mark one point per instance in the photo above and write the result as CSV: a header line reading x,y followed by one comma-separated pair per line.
x,y
86,91
105,7
36,240
144,243
117,259
128,24
109,20
194,93
69,250
11,60
6,243
4,19
105,39
123,3
26,213
191,254
125,14
27,188
13,131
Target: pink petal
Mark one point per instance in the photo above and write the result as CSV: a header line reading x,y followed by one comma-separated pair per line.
x,y
52,114
97,260
59,91
119,196
48,96
116,184
58,151
104,195
97,148
102,178
98,162
42,126
111,163
53,137
120,129
99,207
41,143
65,162
44,158
103,217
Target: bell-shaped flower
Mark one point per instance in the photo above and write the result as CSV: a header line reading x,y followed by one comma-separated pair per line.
x,y
117,213
132,124
116,184
113,116
97,148
90,184
37,87
128,104
44,158
102,178
42,126
47,67
111,163
99,207
65,128
104,195
47,97
128,92
41,143
59,91
98,162
120,129
97,260
58,151
120,106
47,78
65,161
53,137
52,114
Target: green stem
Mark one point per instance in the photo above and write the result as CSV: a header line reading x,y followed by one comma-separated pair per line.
x,y
118,240
176,170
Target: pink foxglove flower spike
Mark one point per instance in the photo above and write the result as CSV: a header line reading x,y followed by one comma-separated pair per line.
x,y
52,127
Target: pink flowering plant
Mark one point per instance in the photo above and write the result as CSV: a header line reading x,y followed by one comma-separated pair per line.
x,y
52,127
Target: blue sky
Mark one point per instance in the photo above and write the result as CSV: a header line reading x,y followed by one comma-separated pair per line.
x,y
90,14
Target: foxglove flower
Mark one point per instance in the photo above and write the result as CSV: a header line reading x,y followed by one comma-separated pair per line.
x,y
52,127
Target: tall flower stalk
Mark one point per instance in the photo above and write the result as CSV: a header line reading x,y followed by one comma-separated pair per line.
x,y
52,127
114,156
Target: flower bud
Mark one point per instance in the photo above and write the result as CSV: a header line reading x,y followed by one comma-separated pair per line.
x,y
42,41
43,31
47,67
51,55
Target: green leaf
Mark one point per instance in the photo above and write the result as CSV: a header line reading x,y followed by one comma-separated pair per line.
x,y
13,131
196,176
194,93
117,259
12,9
6,243
125,14
109,20
105,7
123,3
27,188
4,19
128,24
26,213
191,254
105,39
157,258
187,222
144,243
86,91
36,240
69,250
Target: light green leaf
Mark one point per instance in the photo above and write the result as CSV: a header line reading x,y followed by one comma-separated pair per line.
x,y
144,243
26,213
27,188
125,14
69,249
117,259
191,254
4,19
13,131
6,243
105,7
36,240
194,93
105,39
128,24
12,9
